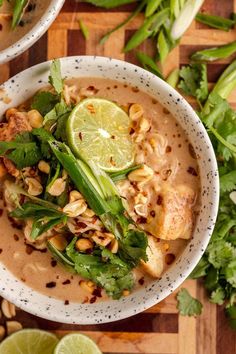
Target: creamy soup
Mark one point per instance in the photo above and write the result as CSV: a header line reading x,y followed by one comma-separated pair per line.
x,y
32,14
165,206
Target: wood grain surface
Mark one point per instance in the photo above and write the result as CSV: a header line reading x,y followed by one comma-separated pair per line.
x,y
159,330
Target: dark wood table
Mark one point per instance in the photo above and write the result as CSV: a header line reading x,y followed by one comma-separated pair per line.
x,y
159,330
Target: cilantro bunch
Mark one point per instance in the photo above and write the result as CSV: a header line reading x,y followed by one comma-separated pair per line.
x,y
218,265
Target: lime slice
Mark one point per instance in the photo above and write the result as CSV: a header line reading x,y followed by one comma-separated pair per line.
x,y
76,344
29,341
98,131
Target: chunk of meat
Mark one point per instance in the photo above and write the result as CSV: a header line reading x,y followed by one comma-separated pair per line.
x,y
17,123
155,264
175,218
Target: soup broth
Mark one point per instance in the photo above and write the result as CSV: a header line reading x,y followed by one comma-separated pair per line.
x,y
164,148
33,13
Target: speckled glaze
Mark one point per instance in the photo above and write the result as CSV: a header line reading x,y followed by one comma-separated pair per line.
x,y
24,85
34,34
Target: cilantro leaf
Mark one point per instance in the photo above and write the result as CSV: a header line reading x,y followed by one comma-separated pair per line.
x,y
220,253
228,181
193,81
103,268
59,110
201,269
44,102
55,78
23,151
230,273
44,137
218,296
187,305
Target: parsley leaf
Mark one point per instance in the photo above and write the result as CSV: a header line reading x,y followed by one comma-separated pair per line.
x,y
193,81
55,78
23,151
44,102
187,305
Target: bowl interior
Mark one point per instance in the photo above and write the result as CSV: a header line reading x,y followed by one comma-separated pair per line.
x,y
23,86
34,33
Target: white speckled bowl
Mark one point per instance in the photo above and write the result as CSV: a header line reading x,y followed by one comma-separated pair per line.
x,y
24,85
34,34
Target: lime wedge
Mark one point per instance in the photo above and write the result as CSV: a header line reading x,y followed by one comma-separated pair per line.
x,y
29,341
98,131
76,344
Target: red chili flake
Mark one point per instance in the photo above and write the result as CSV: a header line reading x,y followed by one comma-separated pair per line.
x,y
168,149
91,108
112,161
29,249
92,88
94,219
53,263
141,220
179,145
141,281
179,135
153,213
192,171
89,251
93,299
97,292
159,200
22,279
165,110
51,284
0,250
131,131
108,88
14,224
81,225
66,302
86,300
1,27
66,282
16,237
80,136
115,86
192,151
169,258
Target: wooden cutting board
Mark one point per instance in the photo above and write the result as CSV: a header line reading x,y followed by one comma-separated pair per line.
x,y
159,330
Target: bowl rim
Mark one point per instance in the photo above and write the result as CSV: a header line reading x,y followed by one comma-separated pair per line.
x,y
34,34
129,308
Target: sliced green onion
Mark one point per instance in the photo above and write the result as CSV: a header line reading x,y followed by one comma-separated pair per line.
x,y
185,18
218,22
173,78
84,29
216,53
152,6
131,17
18,11
163,46
148,63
